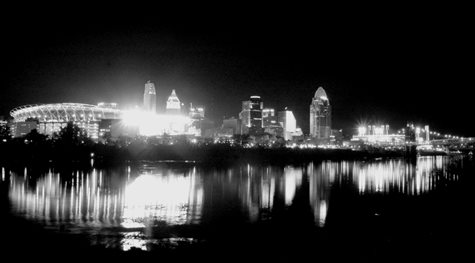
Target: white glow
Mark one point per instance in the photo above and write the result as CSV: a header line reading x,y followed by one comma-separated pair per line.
x,y
151,124
361,130
293,180
379,130
133,240
323,213
173,199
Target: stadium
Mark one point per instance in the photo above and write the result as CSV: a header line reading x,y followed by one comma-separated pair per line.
x,y
50,118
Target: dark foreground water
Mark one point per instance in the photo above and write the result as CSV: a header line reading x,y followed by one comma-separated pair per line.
x,y
378,210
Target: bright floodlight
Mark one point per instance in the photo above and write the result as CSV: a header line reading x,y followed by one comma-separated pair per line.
x,y
151,124
361,130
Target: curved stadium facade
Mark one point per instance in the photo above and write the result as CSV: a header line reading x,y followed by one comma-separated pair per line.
x,y
50,118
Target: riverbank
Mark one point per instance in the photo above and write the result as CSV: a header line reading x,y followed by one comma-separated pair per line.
x,y
213,153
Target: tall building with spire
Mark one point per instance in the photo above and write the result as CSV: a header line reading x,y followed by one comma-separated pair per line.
x,y
173,104
150,97
320,115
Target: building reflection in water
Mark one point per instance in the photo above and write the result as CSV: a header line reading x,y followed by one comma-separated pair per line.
x,y
319,177
264,186
92,200
153,196
377,176
400,176
173,199
82,199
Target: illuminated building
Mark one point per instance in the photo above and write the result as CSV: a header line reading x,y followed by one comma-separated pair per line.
x,y
417,134
173,122
378,135
150,124
150,97
274,130
173,104
320,116
270,123
256,115
52,117
410,132
3,122
245,117
109,127
207,128
230,127
336,136
287,120
196,113
108,105
22,128
269,118
251,116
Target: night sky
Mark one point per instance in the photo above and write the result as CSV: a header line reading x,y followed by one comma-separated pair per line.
x,y
389,66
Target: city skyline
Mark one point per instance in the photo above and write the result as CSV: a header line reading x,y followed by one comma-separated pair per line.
x,y
237,132
252,115
370,70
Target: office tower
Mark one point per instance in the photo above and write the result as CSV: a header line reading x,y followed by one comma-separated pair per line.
x,y
173,104
320,115
245,116
287,120
256,105
196,112
150,97
231,126
251,116
269,118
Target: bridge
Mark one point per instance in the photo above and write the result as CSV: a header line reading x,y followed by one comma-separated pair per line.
x,y
453,142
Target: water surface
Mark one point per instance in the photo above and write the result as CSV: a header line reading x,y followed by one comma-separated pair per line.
x,y
368,207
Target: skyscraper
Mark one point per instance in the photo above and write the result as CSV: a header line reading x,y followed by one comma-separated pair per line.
x,y
320,115
269,118
196,112
173,104
287,120
251,116
150,97
256,112
245,117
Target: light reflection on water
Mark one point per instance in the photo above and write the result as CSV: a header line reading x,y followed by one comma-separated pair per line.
x,y
134,201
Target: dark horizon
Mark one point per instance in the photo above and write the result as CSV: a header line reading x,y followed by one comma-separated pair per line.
x,y
389,67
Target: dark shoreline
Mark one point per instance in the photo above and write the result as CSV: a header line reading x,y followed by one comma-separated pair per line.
x,y
206,154
214,154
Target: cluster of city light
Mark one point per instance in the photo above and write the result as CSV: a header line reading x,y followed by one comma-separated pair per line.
x,y
152,124
376,134
438,134
448,136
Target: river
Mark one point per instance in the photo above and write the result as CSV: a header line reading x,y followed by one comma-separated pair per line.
x,y
363,210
